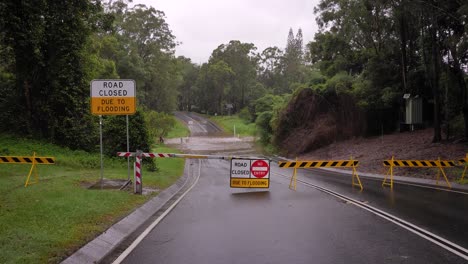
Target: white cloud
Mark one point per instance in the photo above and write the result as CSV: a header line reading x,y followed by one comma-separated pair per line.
x,y
203,25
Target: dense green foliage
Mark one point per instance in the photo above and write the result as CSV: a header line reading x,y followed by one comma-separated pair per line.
x,y
234,124
371,51
44,46
51,51
379,50
159,124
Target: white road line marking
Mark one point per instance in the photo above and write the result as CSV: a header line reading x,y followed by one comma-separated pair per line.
x,y
398,221
155,223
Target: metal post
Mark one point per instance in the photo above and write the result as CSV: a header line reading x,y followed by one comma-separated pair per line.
x,y
128,150
100,140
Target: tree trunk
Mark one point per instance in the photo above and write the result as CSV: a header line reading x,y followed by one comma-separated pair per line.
x,y
465,118
435,82
403,41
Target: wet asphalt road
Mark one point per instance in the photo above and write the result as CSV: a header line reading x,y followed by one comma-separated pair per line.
x,y
441,212
217,224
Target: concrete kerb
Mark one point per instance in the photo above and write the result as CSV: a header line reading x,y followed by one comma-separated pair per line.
x,y
99,248
396,179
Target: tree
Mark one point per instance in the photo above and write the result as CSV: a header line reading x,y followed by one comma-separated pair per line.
x,y
214,81
241,58
270,68
293,60
146,53
48,40
187,87
396,47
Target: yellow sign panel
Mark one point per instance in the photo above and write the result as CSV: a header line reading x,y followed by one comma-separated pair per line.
x,y
113,106
113,97
249,183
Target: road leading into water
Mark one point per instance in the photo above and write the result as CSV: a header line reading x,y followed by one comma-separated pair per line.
x,y
216,224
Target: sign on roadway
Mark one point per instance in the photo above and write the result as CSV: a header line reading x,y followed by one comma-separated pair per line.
x,y
250,173
113,97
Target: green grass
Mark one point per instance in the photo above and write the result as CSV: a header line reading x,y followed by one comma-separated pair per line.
x,y
464,181
179,130
228,123
56,216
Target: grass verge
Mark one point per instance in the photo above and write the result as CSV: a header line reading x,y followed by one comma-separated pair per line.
x,y
229,122
49,220
179,130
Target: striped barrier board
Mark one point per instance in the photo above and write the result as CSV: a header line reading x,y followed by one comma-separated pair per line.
x,y
419,163
439,164
300,164
318,164
146,155
176,155
27,159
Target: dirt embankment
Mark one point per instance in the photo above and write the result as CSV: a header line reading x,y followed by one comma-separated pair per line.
x,y
311,121
408,145
316,127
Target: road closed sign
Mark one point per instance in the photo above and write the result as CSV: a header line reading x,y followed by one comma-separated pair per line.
x,y
113,97
250,173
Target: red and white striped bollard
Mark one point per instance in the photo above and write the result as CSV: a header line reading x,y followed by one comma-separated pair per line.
x,y
138,173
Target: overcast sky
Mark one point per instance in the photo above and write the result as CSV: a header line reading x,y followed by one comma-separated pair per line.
x,y
203,25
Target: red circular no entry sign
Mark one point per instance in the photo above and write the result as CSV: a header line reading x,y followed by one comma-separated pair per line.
x,y
259,168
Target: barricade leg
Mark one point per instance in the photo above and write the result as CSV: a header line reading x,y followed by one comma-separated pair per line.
x,y
445,176
389,173
355,175
441,170
464,172
33,169
293,182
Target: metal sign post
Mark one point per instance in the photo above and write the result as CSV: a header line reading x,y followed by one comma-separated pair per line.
x,y
128,150
100,141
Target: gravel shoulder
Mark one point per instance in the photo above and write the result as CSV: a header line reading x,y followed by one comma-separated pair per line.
x,y
414,145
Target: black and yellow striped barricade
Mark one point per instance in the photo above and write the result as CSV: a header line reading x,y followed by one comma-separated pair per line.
x,y
440,164
29,160
301,164
463,162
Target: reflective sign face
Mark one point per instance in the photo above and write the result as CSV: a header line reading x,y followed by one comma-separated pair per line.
x,y
113,97
260,168
250,173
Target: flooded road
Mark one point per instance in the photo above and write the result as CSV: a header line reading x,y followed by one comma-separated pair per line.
x,y
216,224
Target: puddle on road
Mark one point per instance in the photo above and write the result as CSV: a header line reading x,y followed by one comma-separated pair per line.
x,y
213,145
